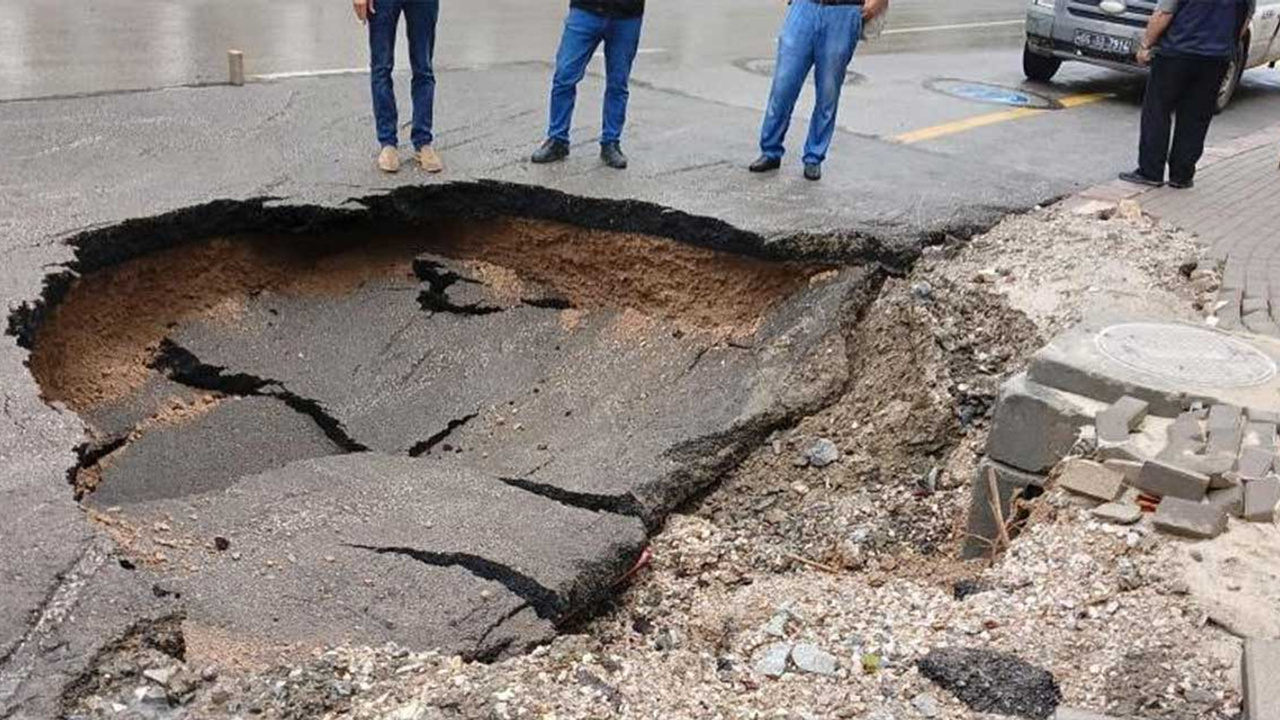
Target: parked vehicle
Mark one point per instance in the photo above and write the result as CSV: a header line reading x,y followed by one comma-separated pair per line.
x,y
1109,32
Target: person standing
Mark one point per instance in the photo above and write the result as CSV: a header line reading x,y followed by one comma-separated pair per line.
x,y
383,19
818,35
1189,45
617,24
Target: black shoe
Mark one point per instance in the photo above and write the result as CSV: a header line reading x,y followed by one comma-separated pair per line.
x,y
812,171
551,151
1137,178
1182,184
612,155
764,163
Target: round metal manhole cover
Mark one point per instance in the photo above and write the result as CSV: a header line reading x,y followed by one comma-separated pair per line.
x,y
765,66
992,94
1186,354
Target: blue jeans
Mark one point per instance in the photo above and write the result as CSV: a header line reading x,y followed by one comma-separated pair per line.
x,y
583,33
821,37
420,19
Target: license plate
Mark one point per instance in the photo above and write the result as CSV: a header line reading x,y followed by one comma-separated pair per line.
x,y
1099,42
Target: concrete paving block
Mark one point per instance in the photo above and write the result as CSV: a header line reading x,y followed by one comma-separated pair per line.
x,y
1264,416
1187,427
1260,668
1260,499
1034,427
1168,480
1229,500
1255,463
1091,479
1124,452
1260,434
1128,468
982,523
1120,513
1190,519
1121,418
1226,429
1253,304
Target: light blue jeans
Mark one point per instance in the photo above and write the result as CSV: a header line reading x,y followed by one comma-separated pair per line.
x,y
818,37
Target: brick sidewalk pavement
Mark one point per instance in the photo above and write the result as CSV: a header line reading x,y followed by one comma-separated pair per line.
x,y
1235,211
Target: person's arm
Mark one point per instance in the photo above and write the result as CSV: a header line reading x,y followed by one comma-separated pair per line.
x,y
873,8
363,8
1156,28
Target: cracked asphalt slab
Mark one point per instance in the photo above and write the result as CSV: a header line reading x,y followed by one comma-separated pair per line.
x,y
93,170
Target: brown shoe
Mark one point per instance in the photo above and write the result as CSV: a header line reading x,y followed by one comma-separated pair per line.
x,y
389,160
430,160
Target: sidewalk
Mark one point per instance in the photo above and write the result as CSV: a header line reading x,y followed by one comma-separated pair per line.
x,y
1234,211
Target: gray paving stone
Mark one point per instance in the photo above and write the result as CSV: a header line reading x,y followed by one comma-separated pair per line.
x,y
1167,480
1260,669
1128,468
1260,499
1226,429
1121,418
982,526
1266,416
1229,500
1255,463
1034,427
1253,304
1091,479
1120,513
1189,519
1260,434
1187,427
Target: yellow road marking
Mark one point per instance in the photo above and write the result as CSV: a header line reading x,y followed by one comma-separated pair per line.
x,y
977,121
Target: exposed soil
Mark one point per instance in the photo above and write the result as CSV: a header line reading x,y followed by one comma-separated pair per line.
x,y
97,345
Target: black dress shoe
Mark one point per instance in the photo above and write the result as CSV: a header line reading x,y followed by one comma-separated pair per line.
x,y
551,151
1182,184
612,155
1137,178
812,171
764,163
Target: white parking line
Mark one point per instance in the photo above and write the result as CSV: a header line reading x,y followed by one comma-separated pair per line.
x,y
948,28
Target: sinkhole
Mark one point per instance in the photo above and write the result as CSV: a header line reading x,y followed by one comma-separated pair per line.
x,y
449,430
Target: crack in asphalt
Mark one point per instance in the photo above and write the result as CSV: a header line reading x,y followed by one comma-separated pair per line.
x,y
182,366
426,446
544,601
624,504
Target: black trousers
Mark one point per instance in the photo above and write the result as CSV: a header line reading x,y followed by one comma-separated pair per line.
x,y
1186,87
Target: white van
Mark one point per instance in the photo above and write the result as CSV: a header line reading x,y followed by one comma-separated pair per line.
x,y
1108,33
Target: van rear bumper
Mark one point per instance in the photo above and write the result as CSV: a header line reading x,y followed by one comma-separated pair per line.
x,y
1052,35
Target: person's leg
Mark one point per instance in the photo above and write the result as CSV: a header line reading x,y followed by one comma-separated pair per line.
x,y
837,40
420,18
382,60
583,32
795,58
1164,87
621,42
1194,116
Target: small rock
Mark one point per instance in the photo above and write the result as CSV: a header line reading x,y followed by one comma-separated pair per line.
x,y
209,674
161,675
1118,513
777,625
822,453
812,659
668,639
221,544
922,290
771,661
925,704
412,711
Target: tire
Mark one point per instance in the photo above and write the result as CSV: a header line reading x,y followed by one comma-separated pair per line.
x,y
1231,82
1040,68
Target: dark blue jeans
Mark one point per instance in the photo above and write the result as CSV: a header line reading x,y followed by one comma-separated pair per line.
x,y
818,37
583,33
420,19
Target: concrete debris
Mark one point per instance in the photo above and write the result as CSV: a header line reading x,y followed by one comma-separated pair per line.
x,y
812,659
1168,480
822,453
1226,429
1260,499
1255,462
993,682
1189,519
1119,513
1128,468
1091,479
1259,670
926,705
1228,500
1121,418
771,660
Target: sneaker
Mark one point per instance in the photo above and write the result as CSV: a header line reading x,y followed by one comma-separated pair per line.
x,y
1137,178
1182,184
430,160
812,171
389,159
612,155
552,150
764,163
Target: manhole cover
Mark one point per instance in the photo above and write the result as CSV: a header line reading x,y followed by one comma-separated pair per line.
x,y
1186,354
765,66
991,94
